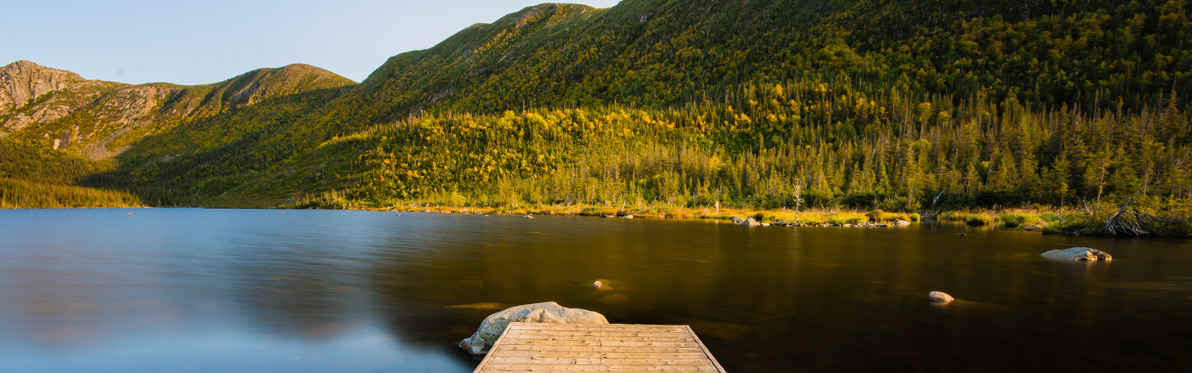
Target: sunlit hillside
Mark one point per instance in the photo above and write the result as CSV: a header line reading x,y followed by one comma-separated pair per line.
x,y
900,106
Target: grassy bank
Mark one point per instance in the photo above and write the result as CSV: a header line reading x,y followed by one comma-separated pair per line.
x,y
1151,218
805,218
1157,218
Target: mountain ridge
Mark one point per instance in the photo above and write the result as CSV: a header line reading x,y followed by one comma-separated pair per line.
x,y
64,109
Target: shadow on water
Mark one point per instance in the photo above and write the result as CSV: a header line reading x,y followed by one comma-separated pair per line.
x,y
349,291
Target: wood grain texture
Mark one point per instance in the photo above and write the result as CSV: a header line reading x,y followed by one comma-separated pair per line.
x,y
534,347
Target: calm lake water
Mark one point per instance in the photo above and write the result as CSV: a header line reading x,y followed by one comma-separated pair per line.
x,y
267,290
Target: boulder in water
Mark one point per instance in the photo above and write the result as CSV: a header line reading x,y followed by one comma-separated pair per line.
x,y
939,297
602,285
1083,254
546,312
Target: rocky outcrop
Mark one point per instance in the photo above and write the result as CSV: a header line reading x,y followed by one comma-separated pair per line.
x,y
1082,254
27,94
133,103
901,223
22,81
55,105
547,312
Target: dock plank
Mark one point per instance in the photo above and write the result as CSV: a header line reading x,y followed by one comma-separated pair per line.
x,y
535,347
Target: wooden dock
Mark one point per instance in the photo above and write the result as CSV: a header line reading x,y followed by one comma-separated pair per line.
x,y
537,347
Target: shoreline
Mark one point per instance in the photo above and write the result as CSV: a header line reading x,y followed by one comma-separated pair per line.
x,y
1071,222
804,218
1043,220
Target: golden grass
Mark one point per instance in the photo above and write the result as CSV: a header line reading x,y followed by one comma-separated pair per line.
x,y
1037,218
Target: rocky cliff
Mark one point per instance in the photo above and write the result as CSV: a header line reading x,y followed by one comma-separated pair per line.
x,y
31,94
22,81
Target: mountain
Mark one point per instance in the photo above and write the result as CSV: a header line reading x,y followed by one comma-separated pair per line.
x,y
59,109
897,105
657,53
57,128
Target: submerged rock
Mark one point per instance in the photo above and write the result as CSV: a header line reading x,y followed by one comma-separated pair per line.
x,y
1083,254
939,297
480,306
546,312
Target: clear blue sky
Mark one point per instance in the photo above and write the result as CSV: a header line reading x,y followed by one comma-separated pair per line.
x,y
206,41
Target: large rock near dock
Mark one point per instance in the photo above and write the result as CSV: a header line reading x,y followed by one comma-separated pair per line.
x,y
1078,254
546,312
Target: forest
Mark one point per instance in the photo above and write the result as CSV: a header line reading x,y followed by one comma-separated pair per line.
x,y
40,178
774,148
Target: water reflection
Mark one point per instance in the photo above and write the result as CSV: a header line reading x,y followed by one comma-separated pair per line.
x,y
221,290
360,291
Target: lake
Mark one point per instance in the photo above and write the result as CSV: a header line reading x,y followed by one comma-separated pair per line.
x,y
307,290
